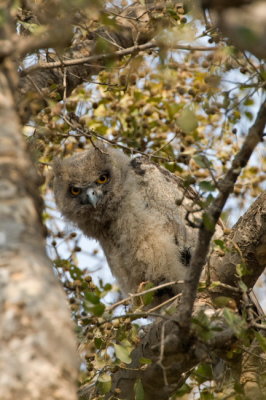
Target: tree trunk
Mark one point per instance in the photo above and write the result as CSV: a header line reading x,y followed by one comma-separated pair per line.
x,y
37,351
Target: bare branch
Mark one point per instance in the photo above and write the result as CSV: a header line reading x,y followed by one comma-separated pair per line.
x,y
116,54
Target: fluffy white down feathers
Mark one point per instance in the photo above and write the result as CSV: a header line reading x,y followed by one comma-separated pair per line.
x,y
134,208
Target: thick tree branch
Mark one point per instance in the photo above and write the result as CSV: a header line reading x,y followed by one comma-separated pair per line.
x,y
213,213
246,244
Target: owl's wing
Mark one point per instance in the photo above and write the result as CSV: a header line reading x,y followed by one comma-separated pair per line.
x,y
154,174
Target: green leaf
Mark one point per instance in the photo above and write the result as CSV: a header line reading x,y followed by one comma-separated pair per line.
x,y
148,297
98,343
249,115
145,361
138,390
262,340
243,286
123,352
235,322
202,161
187,120
189,180
184,389
92,297
172,108
33,28
97,309
207,186
220,243
224,301
65,264
203,373
104,383
242,270
205,394
75,272
248,102
215,284
202,327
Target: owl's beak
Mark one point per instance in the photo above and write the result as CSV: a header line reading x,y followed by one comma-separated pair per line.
x,y
93,196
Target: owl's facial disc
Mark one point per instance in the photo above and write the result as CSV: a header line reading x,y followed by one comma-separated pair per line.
x,y
94,195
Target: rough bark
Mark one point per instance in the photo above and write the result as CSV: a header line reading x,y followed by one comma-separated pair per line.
x,y
246,244
37,352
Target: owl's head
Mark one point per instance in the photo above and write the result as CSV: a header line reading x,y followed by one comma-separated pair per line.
x,y
88,184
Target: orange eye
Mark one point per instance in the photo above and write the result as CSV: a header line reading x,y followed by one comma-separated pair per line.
x,y
75,191
102,179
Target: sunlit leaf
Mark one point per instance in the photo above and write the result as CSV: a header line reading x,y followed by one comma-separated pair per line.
x,y
202,161
123,351
242,270
187,120
144,360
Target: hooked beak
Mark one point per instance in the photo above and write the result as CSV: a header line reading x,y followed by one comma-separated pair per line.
x,y
93,196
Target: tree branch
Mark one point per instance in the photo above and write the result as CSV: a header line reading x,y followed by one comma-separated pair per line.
x,y
249,236
212,215
116,54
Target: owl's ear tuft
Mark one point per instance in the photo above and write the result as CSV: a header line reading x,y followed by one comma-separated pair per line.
x,y
100,148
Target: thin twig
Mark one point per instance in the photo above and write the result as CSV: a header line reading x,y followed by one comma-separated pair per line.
x,y
161,357
165,303
132,295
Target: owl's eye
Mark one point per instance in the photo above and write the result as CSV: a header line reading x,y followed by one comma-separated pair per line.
x,y
102,179
75,191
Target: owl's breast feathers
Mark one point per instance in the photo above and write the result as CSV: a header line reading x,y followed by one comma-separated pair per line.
x,y
148,238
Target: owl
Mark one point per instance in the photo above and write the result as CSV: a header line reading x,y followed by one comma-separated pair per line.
x,y
137,211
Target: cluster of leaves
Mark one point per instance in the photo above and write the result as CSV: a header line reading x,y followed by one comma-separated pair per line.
x,y
107,335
